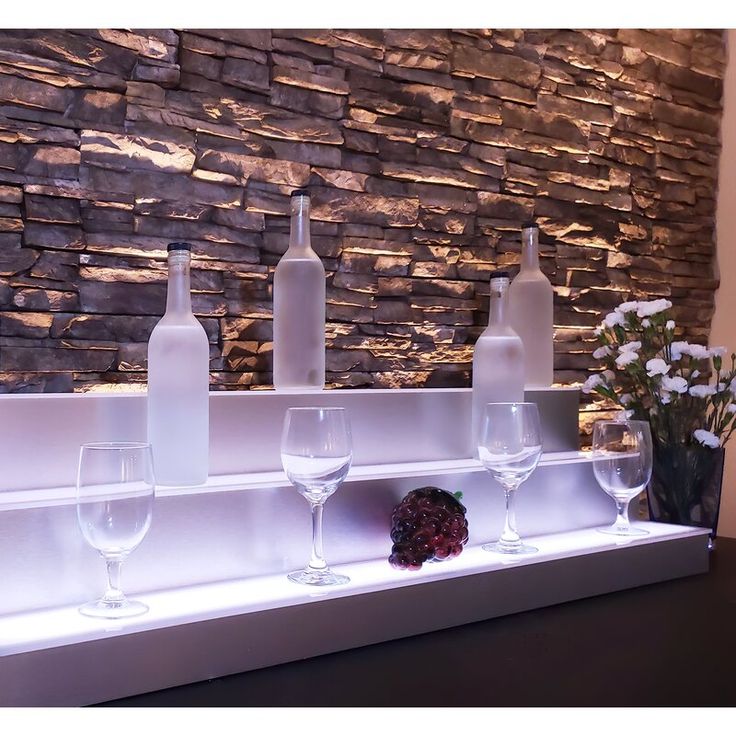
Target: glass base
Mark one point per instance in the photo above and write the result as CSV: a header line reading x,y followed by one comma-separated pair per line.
x,y
117,609
632,531
521,549
317,577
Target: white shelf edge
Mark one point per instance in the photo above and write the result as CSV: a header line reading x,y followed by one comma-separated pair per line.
x,y
38,397
64,495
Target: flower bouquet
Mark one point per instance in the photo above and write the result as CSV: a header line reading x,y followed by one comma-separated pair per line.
x,y
685,392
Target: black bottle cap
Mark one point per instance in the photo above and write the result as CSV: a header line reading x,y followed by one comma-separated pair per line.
x,y
178,246
499,275
529,224
300,193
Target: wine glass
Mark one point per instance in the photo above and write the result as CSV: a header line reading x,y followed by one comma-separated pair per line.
x,y
622,464
316,452
115,490
510,446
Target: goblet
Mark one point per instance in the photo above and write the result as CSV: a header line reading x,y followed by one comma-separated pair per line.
x,y
115,491
316,452
622,464
510,446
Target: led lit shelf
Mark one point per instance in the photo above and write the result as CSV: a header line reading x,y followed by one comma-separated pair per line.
x,y
34,630
237,625
37,497
213,566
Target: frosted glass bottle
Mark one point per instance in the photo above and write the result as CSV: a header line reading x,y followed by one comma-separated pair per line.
x,y
178,383
299,308
531,312
498,359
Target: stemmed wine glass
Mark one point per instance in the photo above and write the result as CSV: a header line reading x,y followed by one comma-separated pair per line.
x,y
622,464
115,491
316,452
510,446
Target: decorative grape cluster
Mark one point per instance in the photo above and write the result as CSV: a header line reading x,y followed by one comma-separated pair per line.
x,y
429,524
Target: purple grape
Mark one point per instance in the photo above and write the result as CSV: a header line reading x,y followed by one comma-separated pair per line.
x,y
428,525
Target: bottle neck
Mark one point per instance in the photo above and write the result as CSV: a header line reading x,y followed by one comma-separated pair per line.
x,y
299,236
178,294
530,249
499,302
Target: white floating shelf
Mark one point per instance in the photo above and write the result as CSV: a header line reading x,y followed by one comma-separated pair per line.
x,y
59,657
213,566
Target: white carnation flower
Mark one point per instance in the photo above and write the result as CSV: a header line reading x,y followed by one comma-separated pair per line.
x,y
699,352
706,438
602,352
598,331
614,318
665,397
695,373
625,358
648,309
646,322
670,324
719,351
702,390
674,383
679,348
592,382
630,347
657,367
627,307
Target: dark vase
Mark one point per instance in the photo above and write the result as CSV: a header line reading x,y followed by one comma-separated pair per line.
x,y
686,486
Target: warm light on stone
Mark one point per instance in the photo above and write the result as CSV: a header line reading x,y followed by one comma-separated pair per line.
x,y
425,150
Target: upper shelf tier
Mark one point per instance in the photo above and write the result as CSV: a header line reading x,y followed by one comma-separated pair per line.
x,y
40,435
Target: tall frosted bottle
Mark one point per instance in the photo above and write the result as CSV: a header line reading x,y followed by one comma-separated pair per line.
x,y
299,308
498,358
531,311
178,383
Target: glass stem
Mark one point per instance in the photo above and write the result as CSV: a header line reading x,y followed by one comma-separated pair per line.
x,y
113,594
317,561
622,516
510,536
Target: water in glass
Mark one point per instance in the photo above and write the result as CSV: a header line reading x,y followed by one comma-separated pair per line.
x,y
316,476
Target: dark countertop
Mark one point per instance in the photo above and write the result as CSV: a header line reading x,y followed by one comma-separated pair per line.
x,y
669,644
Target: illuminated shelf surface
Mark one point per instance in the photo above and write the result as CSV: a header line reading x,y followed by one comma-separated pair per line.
x,y
34,630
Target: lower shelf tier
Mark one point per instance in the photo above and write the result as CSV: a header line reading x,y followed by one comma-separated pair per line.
x,y
57,657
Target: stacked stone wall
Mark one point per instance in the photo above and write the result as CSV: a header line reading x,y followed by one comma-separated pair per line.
x,y
424,151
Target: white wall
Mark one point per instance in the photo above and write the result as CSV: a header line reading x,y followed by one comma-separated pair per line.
x,y
724,323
